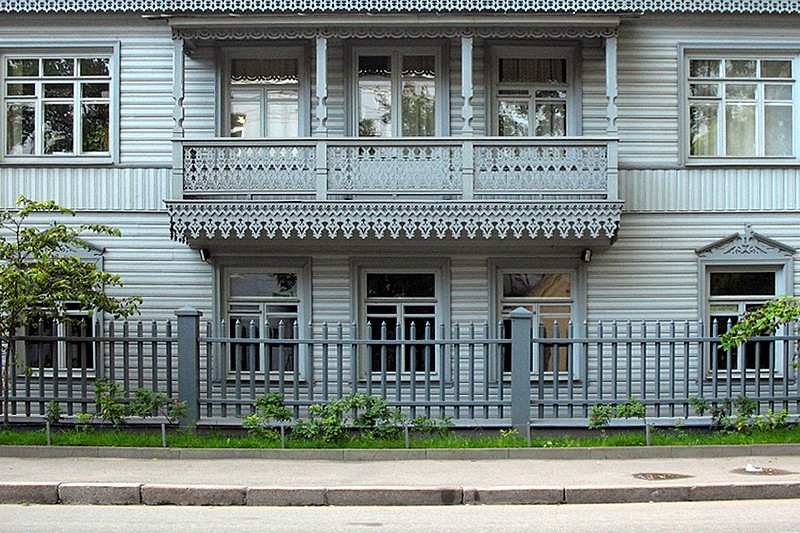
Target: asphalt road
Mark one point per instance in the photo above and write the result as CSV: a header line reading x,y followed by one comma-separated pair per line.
x,y
777,516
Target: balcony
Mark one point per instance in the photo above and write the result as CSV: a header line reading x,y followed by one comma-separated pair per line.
x,y
437,188
455,169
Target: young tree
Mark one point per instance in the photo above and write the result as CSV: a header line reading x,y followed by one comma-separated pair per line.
x,y
39,277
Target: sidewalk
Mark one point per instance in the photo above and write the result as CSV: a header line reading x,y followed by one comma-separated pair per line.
x,y
395,477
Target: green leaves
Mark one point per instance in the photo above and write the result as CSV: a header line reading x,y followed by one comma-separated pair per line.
x,y
763,321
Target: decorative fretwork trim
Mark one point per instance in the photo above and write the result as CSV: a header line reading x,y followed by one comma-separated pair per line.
x,y
396,6
747,244
392,32
347,220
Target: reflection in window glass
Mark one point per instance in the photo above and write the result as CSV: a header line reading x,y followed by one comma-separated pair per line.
x,y
265,97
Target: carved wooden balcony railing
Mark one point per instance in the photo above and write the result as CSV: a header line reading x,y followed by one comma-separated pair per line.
x,y
458,169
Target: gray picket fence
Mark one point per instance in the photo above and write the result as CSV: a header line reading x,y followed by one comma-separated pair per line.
x,y
474,374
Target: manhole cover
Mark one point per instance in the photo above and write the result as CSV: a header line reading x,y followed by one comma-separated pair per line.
x,y
762,471
655,476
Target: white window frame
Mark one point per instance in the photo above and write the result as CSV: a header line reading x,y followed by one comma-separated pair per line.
x,y
565,265
442,122
536,51
721,51
272,51
440,268
109,49
300,267
60,346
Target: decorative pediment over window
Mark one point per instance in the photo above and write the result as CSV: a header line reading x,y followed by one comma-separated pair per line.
x,y
746,245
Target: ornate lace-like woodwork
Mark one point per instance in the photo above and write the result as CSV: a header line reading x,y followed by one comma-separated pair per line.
x,y
384,6
540,168
248,168
333,220
394,168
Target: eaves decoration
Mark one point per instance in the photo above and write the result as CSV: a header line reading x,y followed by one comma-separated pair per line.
x,y
746,245
402,6
192,220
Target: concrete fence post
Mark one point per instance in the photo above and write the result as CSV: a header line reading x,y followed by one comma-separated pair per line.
x,y
521,320
189,363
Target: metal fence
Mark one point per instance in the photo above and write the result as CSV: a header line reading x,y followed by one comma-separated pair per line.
x,y
472,373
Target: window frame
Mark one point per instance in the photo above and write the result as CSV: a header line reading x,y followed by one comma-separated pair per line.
x,y
58,339
396,53
722,51
564,265
109,49
231,264
568,51
276,51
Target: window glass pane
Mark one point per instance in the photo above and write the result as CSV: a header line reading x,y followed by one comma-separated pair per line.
x,y
778,92
255,284
22,67
59,67
704,68
532,70
536,285
374,96
97,66
776,69
742,283
41,353
778,130
418,106
94,90
740,68
245,113
21,89
551,120
512,118
705,89
58,128
740,129
20,126
95,128
264,71
740,92
58,90
282,113
79,352
703,128
401,285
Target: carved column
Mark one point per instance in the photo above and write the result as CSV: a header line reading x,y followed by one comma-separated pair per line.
x,y
322,87
467,113
611,84
178,95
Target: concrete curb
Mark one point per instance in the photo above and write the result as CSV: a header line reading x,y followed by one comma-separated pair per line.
x,y
438,454
208,495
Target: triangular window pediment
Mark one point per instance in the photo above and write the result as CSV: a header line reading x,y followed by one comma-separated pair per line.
x,y
746,245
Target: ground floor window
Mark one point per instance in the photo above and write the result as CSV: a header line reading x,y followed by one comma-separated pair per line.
x,y
61,346
401,306
263,304
548,295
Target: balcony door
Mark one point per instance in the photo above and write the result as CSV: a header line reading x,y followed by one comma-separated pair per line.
x,y
267,93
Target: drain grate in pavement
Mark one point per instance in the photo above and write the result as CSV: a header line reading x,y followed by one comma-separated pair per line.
x,y
656,476
762,471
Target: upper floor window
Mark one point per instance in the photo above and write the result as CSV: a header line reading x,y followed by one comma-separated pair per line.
x,y
533,92
57,105
397,94
267,93
740,106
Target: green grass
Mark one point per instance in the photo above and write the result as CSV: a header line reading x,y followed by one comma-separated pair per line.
x,y
177,439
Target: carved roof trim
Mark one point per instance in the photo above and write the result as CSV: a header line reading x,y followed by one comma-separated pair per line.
x,y
401,6
747,244
192,220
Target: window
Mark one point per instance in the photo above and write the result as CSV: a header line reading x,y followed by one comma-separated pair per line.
x,y
731,293
548,295
397,94
267,93
401,306
263,304
57,105
740,106
65,346
533,92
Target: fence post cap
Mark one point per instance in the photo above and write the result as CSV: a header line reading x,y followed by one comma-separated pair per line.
x,y
520,312
188,311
